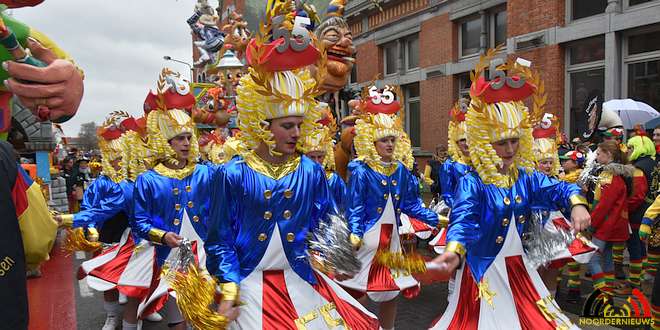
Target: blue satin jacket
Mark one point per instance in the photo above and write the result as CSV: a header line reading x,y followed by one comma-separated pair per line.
x,y
482,213
102,200
160,203
337,190
368,191
248,202
450,172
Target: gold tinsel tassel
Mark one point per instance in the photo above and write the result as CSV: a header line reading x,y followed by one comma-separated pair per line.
x,y
194,296
76,241
411,262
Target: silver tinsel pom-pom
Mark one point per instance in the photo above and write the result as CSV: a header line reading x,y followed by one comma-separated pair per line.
x,y
541,244
330,249
183,258
439,207
589,175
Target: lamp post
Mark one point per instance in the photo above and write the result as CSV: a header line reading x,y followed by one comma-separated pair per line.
x,y
169,58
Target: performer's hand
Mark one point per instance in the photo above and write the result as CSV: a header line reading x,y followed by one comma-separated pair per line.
x,y
580,218
172,240
446,263
227,308
57,87
58,219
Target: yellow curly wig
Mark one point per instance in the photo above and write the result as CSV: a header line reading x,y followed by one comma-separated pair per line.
x,y
370,128
321,140
545,148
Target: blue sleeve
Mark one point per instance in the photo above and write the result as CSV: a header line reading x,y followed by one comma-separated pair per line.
x,y
143,207
356,199
221,257
411,203
447,183
338,188
101,201
465,215
550,193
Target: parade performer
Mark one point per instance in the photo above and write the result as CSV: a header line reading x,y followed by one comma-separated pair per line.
x,y
172,198
208,37
104,204
494,285
649,232
433,168
545,149
269,198
458,163
319,147
381,188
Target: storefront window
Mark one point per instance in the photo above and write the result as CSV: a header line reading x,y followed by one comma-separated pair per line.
x,y
644,82
584,86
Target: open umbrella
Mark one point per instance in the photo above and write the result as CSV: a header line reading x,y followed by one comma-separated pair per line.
x,y
631,112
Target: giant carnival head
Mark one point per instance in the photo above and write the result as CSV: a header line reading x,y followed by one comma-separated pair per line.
x,y
337,40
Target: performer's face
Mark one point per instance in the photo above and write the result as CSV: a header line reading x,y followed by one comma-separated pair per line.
x,y
286,133
181,145
506,150
317,156
385,148
116,163
546,165
569,165
463,147
656,136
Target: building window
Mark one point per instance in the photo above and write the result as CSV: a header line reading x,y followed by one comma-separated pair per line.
x,y
585,79
499,22
464,84
411,45
587,50
469,36
584,86
642,67
471,30
390,57
637,2
644,82
586,8
413,113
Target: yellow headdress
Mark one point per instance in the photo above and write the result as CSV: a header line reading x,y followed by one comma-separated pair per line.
x,y
373,127
457,131
168,117
496,113
545,141
110,143
278,83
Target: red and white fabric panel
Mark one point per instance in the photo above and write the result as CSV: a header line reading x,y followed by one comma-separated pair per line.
x,y
580,250
380,282
160,290
413,226
439,242
518,298
276,297
124,266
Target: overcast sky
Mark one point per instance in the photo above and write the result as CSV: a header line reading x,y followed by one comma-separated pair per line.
x,y
120,45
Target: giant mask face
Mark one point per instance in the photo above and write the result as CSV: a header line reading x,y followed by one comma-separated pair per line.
x,y
338,41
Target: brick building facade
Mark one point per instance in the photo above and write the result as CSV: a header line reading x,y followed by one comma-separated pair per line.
x,y
583,47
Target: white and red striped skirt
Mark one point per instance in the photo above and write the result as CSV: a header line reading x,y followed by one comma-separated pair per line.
x,y
276,297
511,296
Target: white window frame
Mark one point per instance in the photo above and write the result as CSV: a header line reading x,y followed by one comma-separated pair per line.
x,y
397,48
626,5
460,37
462,92
635,58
